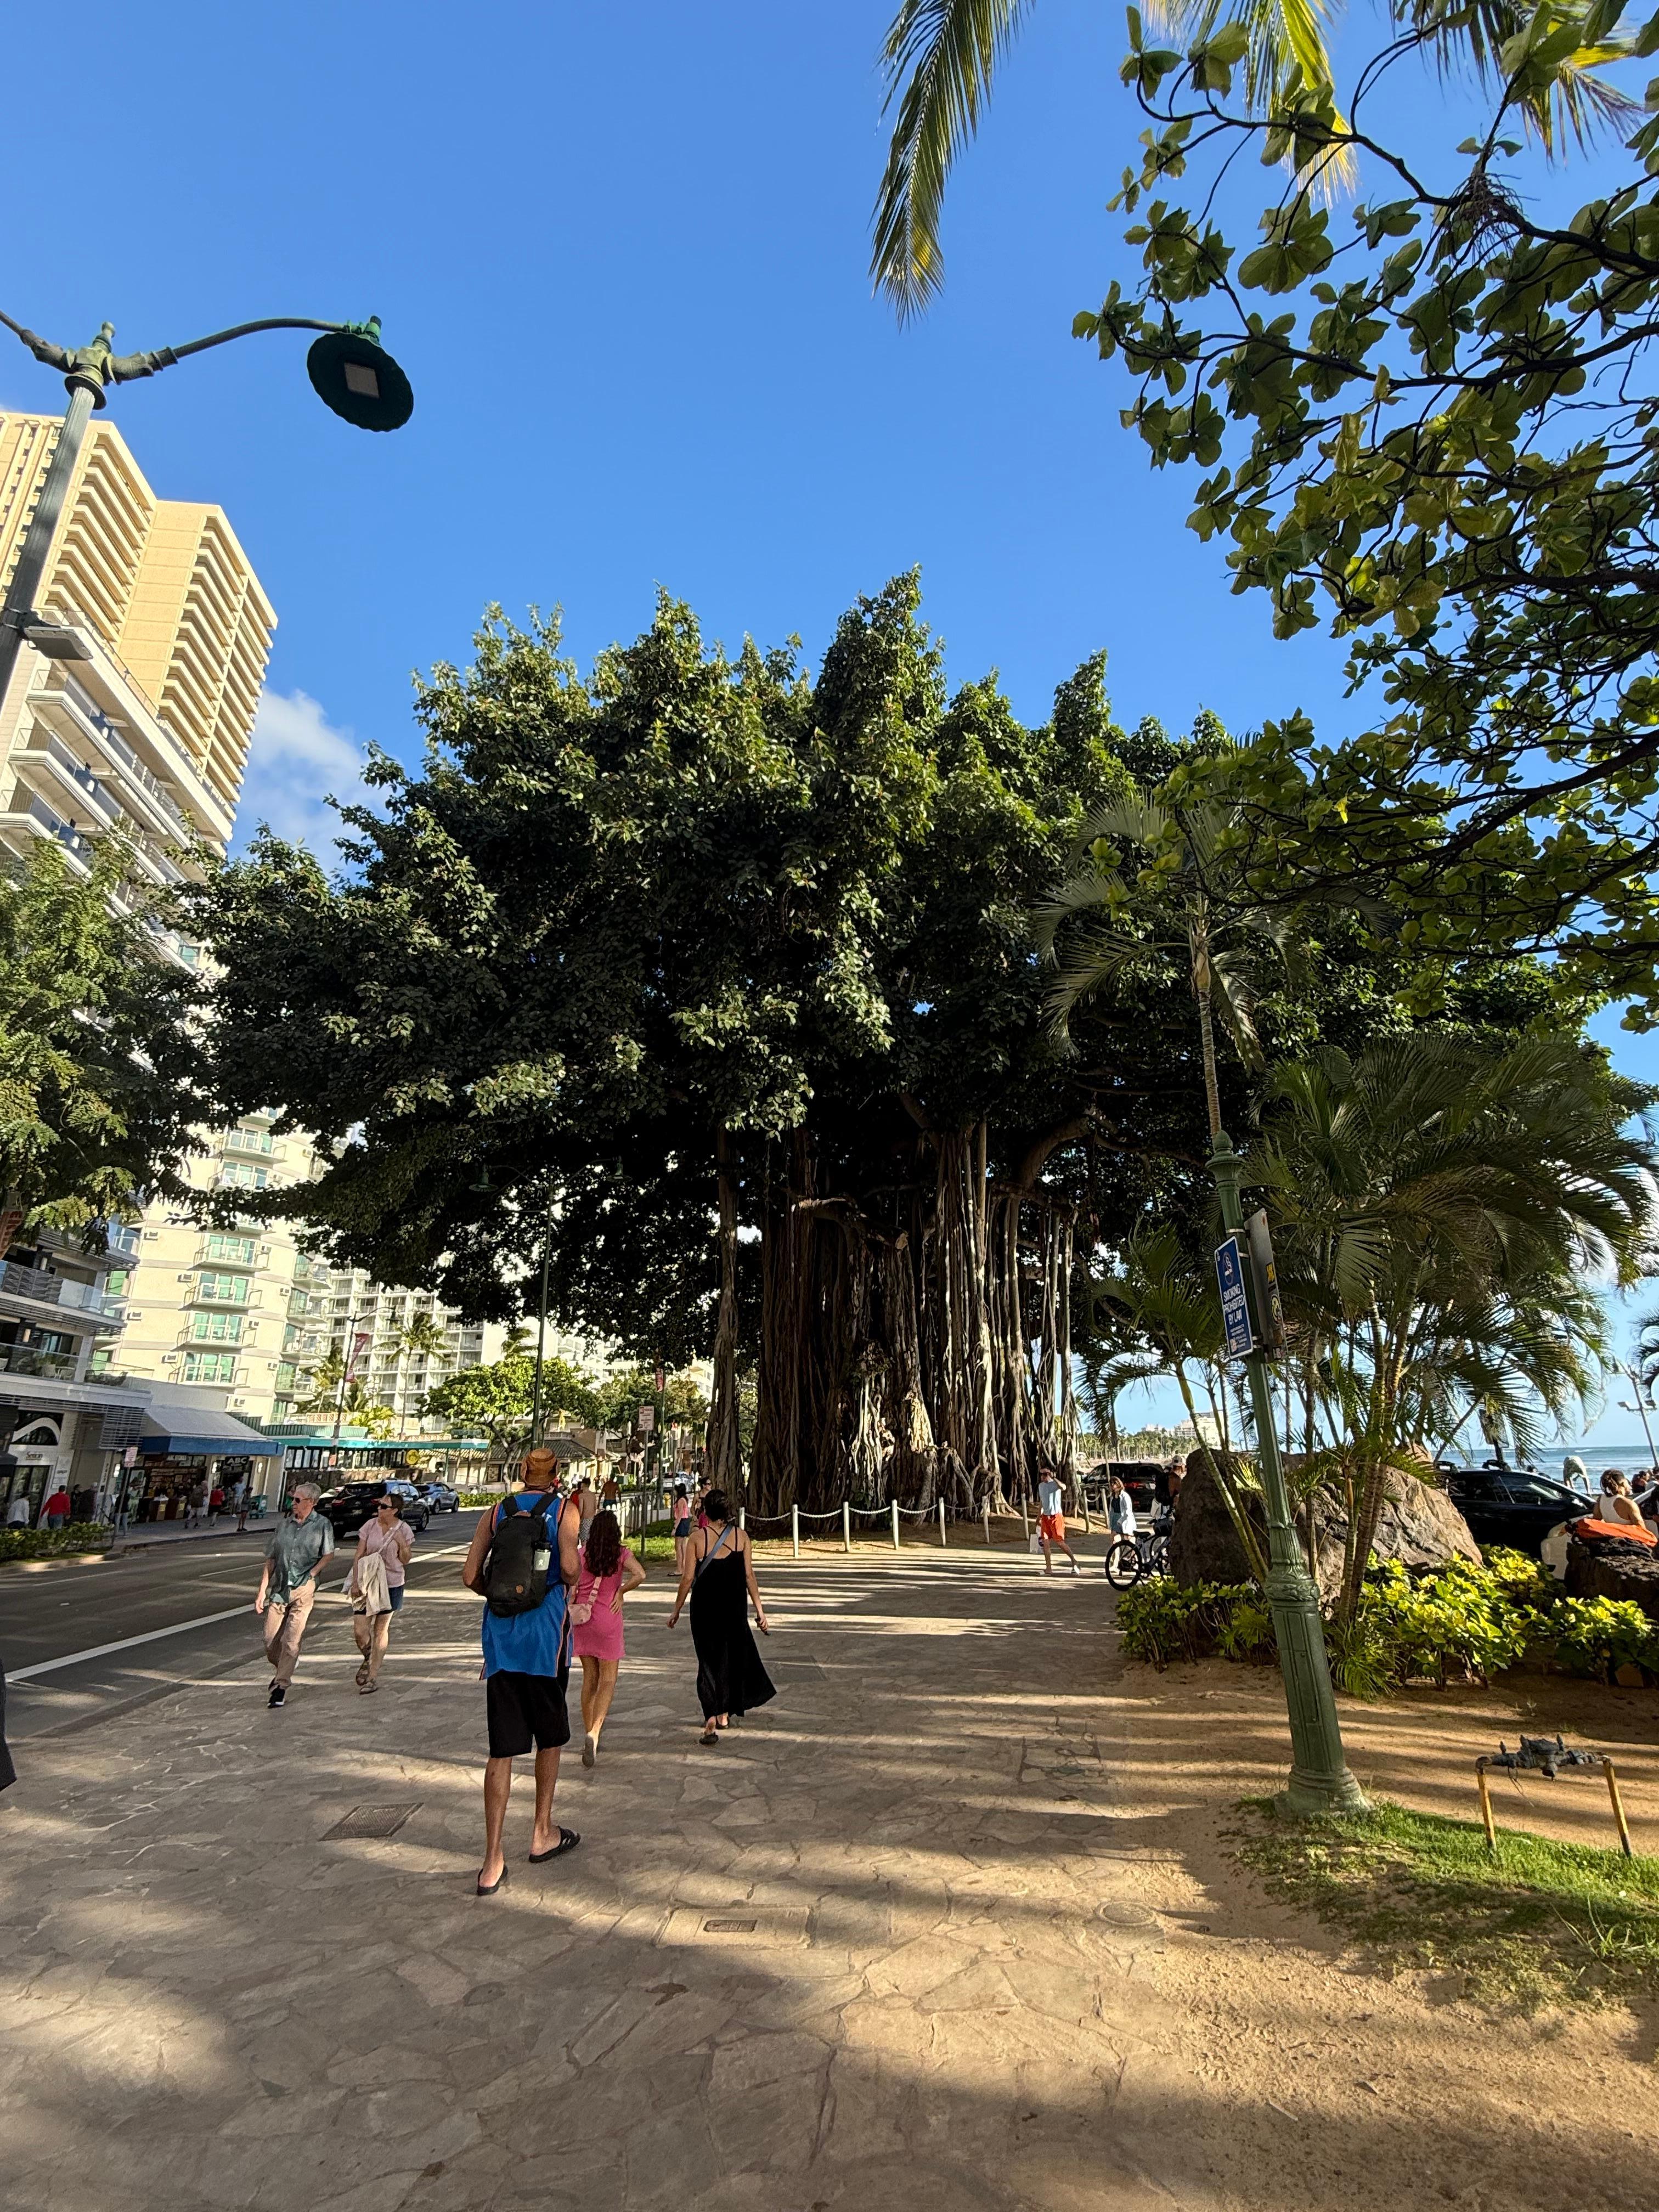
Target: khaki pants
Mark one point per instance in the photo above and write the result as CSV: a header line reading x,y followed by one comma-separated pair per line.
x,y
285,1625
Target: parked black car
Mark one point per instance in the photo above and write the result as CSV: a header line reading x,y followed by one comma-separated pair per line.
x,y
1512,1505
440,1496
353,1502
1144,1478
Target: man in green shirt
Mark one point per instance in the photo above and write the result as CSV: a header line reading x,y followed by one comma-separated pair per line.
x,y
288,1583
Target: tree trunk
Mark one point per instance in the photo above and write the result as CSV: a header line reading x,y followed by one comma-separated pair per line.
x,y
723,1456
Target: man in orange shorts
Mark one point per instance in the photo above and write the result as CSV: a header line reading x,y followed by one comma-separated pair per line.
x,y
1051,1520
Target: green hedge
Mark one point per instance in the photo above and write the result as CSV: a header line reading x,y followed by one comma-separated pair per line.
x,y
1459,1622
52,1543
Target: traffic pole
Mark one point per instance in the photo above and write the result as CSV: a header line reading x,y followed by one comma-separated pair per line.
x,y
1320,1782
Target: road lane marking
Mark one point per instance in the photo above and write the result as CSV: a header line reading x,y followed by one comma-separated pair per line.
x,y
126,1644
153,1635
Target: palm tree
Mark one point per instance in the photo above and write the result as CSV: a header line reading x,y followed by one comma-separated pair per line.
x,y
1178,894
420,1338
1438,1213
939,57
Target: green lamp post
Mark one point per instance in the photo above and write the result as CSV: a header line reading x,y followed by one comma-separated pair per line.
x,y
351,372
1320,1782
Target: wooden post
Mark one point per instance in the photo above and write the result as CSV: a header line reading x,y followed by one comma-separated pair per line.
x,y
846,1525
1486,1805
742,1516
941,1524
794,1528
1024,1526
987,1522
896,1540
1618,1807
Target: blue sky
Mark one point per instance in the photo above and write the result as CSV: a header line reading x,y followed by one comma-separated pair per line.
x,y
622,253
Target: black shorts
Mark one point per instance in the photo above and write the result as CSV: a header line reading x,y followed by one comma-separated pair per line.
x,y
525,1707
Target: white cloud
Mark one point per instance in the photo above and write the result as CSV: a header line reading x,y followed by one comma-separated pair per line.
x,y
297,760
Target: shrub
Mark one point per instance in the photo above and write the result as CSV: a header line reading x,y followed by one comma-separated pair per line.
x,y
1164,1619
1597,1635
1458,1622
52,1543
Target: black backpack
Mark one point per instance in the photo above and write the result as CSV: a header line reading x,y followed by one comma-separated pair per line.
x,y
520,1561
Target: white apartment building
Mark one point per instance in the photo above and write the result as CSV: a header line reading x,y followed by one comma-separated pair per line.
x,y
414,1343
225,1308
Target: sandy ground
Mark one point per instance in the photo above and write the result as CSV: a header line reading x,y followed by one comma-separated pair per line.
x,y
951,1925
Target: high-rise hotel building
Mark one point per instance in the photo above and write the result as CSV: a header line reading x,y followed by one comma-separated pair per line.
x,y
143,729
147,730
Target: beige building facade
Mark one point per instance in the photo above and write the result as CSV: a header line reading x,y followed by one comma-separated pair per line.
x,y
141,721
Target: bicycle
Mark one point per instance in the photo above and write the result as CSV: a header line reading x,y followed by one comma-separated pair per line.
x,y
1130,1560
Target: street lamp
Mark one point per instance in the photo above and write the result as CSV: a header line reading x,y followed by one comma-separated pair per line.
x,y
351,372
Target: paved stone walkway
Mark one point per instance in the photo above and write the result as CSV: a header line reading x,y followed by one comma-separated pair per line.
x,y
891,1947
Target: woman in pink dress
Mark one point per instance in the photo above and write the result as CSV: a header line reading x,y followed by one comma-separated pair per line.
x,y
609,1571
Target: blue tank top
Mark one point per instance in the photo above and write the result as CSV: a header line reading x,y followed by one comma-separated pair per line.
x,y
530,1643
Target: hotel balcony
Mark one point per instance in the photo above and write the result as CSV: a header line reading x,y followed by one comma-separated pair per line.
x,y
107,689
28,817
74,712
64,782
32,1295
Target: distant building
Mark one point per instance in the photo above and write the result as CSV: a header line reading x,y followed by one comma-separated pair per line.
x,y
413,1343
240,1309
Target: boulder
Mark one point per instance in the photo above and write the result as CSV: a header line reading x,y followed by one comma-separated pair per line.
x,y
1420,1526
1613,1566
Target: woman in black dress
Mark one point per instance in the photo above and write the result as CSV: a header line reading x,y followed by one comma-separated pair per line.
x,y
719,1577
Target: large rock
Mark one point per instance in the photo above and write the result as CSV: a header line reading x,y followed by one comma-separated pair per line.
x,y
1420,1526
1614,1566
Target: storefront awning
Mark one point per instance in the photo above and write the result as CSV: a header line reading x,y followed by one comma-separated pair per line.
x,y
201,1433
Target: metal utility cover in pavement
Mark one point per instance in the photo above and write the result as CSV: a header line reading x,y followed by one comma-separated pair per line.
x,y
728,1927
370,1820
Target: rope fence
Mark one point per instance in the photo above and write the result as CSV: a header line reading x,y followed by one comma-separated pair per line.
x,y
892,1511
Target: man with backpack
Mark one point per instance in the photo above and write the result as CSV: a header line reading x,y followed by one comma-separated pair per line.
x,y
524,1560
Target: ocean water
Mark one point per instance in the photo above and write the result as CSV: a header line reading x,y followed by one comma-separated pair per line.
x,y
1598,1458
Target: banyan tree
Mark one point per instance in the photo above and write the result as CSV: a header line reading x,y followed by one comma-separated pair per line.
x,y
729,970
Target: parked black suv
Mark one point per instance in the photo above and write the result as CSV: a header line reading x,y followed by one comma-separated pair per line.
x,y
1144,1478
1512,1505
353,1502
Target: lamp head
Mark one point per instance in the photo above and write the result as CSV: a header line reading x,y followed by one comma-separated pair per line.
x,y
351,372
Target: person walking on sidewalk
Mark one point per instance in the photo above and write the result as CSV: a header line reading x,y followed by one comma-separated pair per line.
x,y
1051,1519
17,1513
56,1511
524,1561
680,1517
609,1571
719,1577
288,1583
389,1539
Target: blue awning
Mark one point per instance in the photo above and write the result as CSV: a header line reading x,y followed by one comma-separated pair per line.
x,y
202,1432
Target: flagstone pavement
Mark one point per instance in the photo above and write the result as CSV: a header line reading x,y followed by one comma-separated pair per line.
x,y
894,1943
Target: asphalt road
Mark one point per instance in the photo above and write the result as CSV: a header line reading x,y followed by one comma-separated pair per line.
x,y
71,1609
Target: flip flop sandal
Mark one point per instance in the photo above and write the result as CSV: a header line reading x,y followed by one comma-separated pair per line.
x,y
590,1751
710,1734
363,1674
365,1686
488,1889
567,1841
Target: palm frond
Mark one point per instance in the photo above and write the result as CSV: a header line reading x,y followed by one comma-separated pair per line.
x,y
939,60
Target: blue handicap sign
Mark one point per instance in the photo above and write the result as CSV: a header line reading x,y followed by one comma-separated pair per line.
x,y
1234,1304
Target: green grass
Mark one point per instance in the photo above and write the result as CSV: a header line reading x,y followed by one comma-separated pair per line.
x,y
1540,1923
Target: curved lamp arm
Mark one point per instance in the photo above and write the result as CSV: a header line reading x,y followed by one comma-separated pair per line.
x,y
124,369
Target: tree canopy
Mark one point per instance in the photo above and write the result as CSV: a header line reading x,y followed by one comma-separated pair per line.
x,y
1425,418
98,1077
